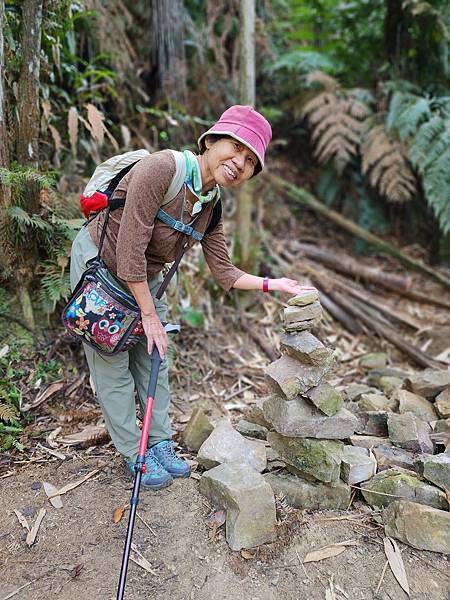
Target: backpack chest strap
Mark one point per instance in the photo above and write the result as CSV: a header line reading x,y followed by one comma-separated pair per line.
x,y
178,225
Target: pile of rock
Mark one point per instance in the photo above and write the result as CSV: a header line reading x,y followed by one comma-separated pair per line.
x,y
320,443
309,419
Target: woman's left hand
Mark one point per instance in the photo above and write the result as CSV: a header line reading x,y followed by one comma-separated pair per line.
x,y
289,286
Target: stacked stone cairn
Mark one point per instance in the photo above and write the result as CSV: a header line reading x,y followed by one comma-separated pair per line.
x,y
388,437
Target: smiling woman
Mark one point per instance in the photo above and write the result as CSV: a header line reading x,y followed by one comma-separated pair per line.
x,y
140,238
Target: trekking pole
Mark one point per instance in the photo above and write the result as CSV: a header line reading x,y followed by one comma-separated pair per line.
x,y
139,465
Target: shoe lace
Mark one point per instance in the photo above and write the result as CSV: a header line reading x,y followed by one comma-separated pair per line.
x,y
152,462
169,451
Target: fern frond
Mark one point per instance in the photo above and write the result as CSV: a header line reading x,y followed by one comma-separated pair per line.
x,y
55,284
24,219
422,144
330,84
7,413
436,184
321,101
336,119
409,119
384,159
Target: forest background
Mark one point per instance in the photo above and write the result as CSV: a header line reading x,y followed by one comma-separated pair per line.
x,y
357,94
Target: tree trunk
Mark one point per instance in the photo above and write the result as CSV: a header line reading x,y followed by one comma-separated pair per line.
x,y
28,137
396,35
247,96
169,64
4,154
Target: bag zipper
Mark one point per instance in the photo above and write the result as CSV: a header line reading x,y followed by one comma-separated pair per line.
x,y
120,294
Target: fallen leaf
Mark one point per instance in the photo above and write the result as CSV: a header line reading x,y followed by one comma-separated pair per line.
x,y
22,519
323,553
140,560
248,554
118,514
52,494
216,519
328,551
52,437
90,432
31,536
71,486
329,592
52,389
75,572
54,453
395,560
183,418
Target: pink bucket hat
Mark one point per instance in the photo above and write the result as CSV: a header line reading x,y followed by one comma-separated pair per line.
x,y
245,124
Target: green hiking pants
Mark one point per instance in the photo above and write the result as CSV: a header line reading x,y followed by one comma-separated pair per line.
x,y
117,377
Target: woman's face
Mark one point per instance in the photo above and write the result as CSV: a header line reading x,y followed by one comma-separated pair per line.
x,y
229,162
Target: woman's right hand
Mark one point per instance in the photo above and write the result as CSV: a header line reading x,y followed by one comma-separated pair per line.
x,y
155,333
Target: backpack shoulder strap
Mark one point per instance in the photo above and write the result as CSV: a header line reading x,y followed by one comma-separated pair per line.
x,y
178,179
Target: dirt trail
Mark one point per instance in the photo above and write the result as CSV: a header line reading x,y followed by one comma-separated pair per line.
x,y
78,551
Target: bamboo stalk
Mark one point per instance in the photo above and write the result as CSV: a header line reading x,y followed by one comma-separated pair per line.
x,y
310,201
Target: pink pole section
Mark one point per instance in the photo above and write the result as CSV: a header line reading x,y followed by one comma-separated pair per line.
x,y
146,426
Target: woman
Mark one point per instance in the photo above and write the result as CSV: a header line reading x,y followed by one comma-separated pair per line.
x,y
137,246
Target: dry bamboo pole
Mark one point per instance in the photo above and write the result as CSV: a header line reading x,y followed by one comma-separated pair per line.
x,y
310,201
382,329
382,307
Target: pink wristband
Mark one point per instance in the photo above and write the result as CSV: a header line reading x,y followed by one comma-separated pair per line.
x,y
265,284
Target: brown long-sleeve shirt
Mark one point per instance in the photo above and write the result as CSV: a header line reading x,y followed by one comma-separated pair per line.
x,y
137,245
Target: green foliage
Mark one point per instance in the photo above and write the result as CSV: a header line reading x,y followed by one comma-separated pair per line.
x,y
49,231
193,317
10,403
424,124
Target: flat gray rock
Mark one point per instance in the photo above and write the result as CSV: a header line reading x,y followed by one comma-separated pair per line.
x,y
376,402
309,495
197,430
428,383
408,432
248,501
226,445
437,470
255,414
371,422
326,398
304,299
413,403
354,391
252,430
369,441
375,360
388,384
292,314
419,526
299,418
389,457
400,484
306,348
286,376
320,459
301,325
358,464
442,426
442,404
